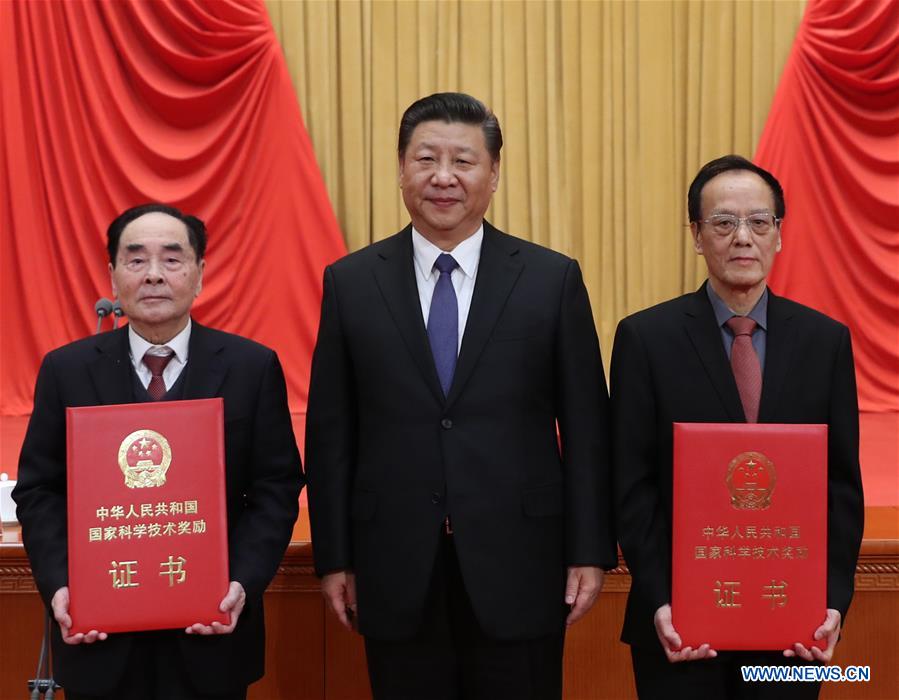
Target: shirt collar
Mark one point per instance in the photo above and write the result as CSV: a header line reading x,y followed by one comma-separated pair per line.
x,y
466,254
759,312
178,344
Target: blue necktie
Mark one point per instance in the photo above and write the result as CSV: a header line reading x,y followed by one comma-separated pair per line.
x,y
443,322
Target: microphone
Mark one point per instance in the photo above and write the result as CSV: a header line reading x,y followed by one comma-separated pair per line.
x,y
117,313
103,307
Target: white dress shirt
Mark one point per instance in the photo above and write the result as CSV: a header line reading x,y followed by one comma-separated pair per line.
x,y
177,345
467,254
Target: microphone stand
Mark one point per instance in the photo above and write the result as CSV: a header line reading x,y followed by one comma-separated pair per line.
x,y
43,685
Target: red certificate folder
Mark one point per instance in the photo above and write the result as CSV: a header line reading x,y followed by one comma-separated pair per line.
x,y
749,539
147,522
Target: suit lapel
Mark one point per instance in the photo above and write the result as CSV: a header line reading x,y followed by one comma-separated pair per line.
x,y
498,270
110,371
395,277
205,364
706,338
778,353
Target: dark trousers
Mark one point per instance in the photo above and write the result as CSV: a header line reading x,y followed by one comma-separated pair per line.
x,y
155,671
719,678
452,659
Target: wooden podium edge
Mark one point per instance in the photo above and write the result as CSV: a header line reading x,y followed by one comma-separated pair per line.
x,y
877,569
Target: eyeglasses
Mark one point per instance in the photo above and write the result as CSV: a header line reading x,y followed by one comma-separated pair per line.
x,y
728,224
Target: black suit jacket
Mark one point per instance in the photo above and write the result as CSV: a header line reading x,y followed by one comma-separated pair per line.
x,y
263,480
388,457
669,364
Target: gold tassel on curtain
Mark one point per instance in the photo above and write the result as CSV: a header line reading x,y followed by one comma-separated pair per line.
x,y
608,108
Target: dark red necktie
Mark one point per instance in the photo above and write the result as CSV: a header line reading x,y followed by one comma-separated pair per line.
x,y
156,364
746,366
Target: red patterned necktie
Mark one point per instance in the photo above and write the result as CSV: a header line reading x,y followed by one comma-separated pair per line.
x,y
156,364
746,366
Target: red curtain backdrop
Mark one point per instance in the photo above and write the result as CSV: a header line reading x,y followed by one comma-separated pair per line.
x,y
832,138
104,105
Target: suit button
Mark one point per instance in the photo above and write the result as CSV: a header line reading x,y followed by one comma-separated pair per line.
x,y
436,498
446,423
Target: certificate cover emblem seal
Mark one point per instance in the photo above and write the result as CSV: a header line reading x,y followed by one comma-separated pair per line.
x,y
144,458
750,479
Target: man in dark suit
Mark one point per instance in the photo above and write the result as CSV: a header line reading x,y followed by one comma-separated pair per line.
x,y
442,498
673,362
156,265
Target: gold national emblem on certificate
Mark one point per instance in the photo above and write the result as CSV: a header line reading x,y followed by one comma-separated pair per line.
x,y
144,458
750,480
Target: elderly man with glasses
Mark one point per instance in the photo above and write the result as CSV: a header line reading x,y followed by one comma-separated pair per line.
x,y
673,363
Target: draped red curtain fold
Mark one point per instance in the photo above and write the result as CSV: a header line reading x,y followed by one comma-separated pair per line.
x,y
832,138
104,105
